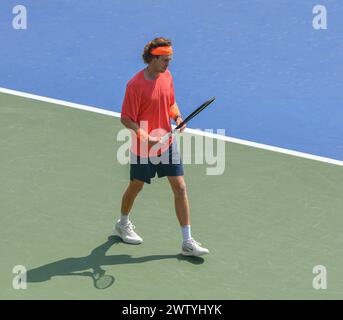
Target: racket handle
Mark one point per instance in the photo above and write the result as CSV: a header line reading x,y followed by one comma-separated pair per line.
x,y
166,137
163,140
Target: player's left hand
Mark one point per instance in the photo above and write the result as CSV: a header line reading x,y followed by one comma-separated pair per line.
x,y
178,121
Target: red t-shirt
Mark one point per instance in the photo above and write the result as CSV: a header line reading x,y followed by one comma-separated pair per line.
x,y
148,102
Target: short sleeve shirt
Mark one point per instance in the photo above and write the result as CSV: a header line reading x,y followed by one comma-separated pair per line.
x,y
148,102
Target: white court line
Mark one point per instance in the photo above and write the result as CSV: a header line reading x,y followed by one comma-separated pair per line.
x,y
193,131
59,102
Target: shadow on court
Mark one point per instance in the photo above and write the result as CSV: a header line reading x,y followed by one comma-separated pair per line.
x,y
94,261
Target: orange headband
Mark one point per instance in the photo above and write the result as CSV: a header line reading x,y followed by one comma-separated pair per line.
x,y
162,51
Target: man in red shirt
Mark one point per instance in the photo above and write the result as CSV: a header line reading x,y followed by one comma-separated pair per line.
x,y
148,105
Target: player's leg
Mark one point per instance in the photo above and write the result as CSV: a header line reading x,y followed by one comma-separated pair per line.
x,y
134,187
189,246
181,202
124,228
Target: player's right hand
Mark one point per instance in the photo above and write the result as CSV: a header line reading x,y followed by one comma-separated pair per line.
x,y
154,140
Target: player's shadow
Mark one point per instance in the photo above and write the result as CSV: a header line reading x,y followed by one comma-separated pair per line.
x,y
94,261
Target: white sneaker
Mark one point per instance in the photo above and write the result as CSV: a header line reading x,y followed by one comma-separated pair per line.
x,y
193,248
126,233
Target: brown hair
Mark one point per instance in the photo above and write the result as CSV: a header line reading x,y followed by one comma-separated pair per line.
x,y
157,42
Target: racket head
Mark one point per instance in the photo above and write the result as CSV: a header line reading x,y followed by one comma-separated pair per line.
x,y
195,112
191,116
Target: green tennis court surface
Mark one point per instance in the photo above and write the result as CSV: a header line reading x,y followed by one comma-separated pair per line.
x,y
268,220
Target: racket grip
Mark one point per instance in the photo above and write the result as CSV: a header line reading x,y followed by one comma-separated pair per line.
x,y
166,137
163,141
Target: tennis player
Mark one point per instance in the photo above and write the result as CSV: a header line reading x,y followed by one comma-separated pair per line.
x,y
148,106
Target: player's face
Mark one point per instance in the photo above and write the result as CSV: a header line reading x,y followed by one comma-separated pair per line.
x,y
162,63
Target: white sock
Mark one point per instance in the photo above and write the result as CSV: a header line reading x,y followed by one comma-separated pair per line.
x,y
124,219
186,232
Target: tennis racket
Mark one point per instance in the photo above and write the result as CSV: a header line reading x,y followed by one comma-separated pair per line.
x,y
188,118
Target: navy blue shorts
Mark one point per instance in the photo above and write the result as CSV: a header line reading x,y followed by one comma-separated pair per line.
x,y
168,164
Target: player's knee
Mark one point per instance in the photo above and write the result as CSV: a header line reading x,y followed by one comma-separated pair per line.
x,y
180,190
